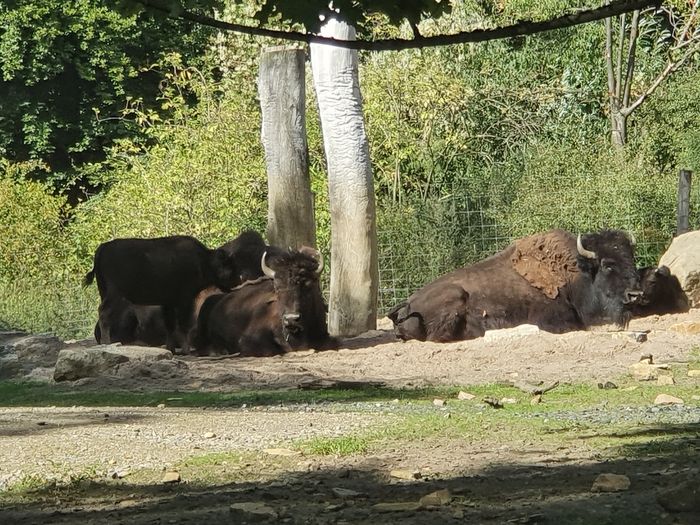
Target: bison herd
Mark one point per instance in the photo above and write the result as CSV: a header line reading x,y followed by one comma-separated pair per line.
x,y
251,299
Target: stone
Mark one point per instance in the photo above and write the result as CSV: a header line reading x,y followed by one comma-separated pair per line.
x,y
643,371
436,499
694,373
345,493
252,511
636,336
439,402
38,349
508,401
608,385
399,506
536,400
209,435
10,366
516,332
171,477
465,396
665,380
286,452
405,474
610,483
666,399
77,363
683,259
686,328
684,497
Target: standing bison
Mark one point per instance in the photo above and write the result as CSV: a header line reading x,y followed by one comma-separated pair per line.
x,y
554,280
166,271
277,313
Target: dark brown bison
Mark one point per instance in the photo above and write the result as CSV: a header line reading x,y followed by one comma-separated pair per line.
x,y
277,313
553,280
661,293
166,271
134,324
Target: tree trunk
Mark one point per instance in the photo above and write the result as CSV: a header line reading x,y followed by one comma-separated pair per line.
x,y
354,271
619,128
281,84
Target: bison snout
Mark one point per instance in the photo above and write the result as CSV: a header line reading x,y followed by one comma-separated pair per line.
x,y
290,319
633,296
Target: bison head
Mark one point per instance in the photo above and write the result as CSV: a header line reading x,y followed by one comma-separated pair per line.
x,y
225,270
606,261
296,276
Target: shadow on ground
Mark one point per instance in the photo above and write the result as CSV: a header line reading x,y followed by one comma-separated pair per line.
x,y
663,490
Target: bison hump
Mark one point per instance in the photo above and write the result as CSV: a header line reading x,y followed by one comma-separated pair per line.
x,y
546,261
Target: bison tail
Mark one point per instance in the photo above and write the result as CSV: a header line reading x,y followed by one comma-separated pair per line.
x,y
89,277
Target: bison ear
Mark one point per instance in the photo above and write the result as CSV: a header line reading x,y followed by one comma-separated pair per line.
x,y
664,271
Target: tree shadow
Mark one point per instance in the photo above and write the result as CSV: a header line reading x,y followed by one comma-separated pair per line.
x,y
28,422
501,492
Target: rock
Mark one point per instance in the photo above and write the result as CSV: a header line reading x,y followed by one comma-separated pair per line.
x,y
665,380
643,371
608,385
511,333
610,483
345,493
683,259
684,497
686,328
694,373
37,350
436,499
465,396
508,401
637,336
397,506
647,358
439,402
252,511
536,400
171,477
405,474
10,366
493,402
77,363
286,452
666,399
209,435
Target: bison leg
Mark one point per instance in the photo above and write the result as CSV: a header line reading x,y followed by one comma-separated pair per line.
x,y
260,345
170,318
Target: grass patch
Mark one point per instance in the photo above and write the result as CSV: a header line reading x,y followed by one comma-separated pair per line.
x,y
337,446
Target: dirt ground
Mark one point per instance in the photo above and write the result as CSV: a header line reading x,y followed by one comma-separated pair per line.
x,y
380,358
523,482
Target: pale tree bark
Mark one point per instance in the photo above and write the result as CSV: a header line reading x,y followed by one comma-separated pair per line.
x,y
354,271
685,42
281,85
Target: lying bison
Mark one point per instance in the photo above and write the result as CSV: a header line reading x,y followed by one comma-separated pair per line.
x,y
166,271
661,293
553,280
277,313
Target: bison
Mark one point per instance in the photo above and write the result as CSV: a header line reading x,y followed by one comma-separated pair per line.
x,y
554,280
277,313
165,271
661,293
134,324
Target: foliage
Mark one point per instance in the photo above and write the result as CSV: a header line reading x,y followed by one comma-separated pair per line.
x,y
68,70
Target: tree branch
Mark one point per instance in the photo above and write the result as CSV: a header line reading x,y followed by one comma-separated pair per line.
x,y
620,49
479,35
632,52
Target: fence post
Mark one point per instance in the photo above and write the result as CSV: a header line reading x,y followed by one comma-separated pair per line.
x,y
684,182
281,85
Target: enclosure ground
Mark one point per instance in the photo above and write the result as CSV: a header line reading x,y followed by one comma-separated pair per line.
x,y
248,445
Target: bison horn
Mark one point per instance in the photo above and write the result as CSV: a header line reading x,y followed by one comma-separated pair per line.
x,y
320,264
265,268
582,251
